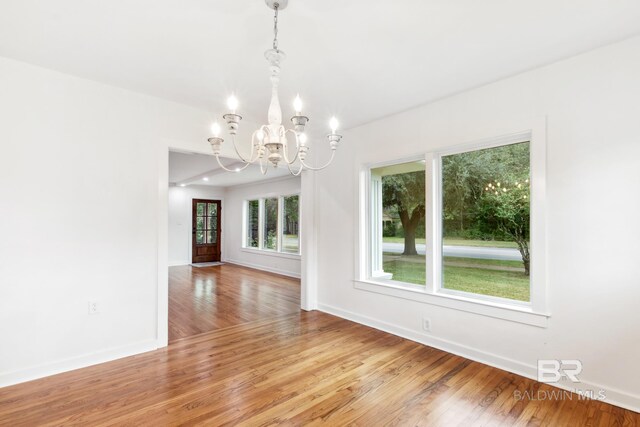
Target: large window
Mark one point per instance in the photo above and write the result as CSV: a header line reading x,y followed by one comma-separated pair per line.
x,y
455,223
272,224
485,222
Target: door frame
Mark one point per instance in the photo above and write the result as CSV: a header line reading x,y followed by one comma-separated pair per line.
x,y
222,234
220,226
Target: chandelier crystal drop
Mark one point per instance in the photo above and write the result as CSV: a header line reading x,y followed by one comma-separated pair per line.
x,y
272,143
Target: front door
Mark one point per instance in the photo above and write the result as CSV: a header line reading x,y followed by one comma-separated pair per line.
x,y
206,230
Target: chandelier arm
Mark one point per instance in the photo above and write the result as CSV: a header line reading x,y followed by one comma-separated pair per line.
x,y
235,147
295,173
263,170
333,153
260,147
256,149
231,170
266,130
285,152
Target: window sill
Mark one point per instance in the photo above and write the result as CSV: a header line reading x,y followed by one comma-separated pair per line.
x,y
512,313
271,253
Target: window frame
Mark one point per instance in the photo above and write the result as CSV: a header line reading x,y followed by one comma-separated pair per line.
x,y
374,227
534,312
261,226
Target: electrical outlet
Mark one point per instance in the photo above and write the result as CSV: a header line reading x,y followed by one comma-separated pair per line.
x,y
93,307
426,324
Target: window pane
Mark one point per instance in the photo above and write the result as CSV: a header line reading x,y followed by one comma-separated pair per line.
x,y
199,237
253,208
290,235
398,222
211,237
200,209
212,223
270,224
485,218
199,223
213,209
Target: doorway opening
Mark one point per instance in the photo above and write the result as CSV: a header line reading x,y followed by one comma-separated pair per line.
x,y
212,281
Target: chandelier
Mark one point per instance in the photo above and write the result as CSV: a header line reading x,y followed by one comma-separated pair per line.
x,y
272,143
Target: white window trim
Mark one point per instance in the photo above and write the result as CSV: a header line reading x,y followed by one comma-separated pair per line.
x,y
533,312
261,223
269,252
418,293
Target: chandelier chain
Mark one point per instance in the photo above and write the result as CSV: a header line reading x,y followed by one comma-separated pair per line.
x,y
275,28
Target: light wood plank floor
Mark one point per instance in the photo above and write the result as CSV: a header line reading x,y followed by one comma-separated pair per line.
x,y
294,369
208,298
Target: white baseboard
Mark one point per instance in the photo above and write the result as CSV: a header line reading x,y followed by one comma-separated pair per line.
x,y
614,397
71,364
246,264
178,263
263,267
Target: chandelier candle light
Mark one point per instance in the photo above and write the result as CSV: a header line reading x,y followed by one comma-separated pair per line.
x,y
271,140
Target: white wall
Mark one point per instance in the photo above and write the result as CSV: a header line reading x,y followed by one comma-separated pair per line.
x,y
593,176
287,264
180,219
83,183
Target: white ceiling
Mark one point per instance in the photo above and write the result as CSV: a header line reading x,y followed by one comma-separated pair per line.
x,y
190,169
358,59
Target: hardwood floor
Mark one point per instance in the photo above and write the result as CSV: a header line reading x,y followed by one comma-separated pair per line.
x,y
209,298
301,368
